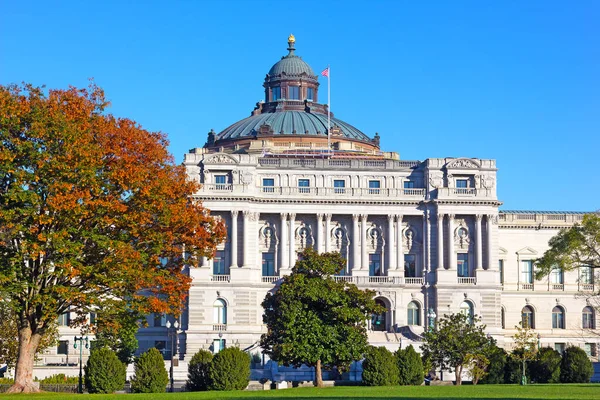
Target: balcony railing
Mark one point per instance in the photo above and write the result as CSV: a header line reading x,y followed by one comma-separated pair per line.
x,y
219,327
414,281
586,287
270,279
526,286
557,286
220,278
467,280
365,280
325,191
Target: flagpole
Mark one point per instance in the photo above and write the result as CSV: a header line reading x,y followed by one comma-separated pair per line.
x,y
328,110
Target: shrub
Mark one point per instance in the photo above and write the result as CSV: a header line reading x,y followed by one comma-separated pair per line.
x,y
496,369
512,370
60,379
545,368
229,370
379,368
104,373
575,366
410,367
198,371
150,373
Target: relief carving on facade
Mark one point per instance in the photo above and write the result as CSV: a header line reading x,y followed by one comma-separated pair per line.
x,y
268,235
246,177
487,181
462,163
462,235
436,180
374,237
304,237
220,159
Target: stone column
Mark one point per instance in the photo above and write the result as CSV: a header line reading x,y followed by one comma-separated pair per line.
x,y
390,244
363,237
234,239
478,244
319,233
283,243
399,244
440,250
327,233
292,240
451,255
489,257
355,243
249,237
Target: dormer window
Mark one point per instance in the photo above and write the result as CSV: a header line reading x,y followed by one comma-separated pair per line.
x,y
294,93
309,94
276,93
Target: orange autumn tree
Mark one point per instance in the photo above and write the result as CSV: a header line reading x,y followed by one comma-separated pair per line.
x,y
92,210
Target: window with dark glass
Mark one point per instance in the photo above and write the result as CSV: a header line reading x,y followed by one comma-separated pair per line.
x,y
220,182
294,93
276,93
587,318
304,185
378,321
462,265
309,93
63,347
161,345
556,276
64,319
590,349
160,320
219,267
374,187
268,264
339,186
558,318
462,183
92,318
526,271
501,269
586,275
502,318
268,185
375,264
527,318
409,185
410,266
413,317
560,347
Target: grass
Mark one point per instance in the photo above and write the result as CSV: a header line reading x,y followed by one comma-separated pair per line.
x,y
482,392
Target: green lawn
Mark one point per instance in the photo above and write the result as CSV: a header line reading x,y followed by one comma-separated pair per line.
x,y
483,392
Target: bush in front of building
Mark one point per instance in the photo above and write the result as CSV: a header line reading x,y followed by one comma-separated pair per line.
x,y
150,373
198,378
60,379
496,369
104,372
545,368
575,366
410,367
380,367
512,370
229,370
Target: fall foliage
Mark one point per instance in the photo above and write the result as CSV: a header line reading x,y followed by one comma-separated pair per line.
x,y
92,208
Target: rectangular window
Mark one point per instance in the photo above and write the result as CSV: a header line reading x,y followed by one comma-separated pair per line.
x,y
410,266
409,185
560,347
462,183
276,93
556,276
501,268
268,185
586,275
526,271
294,93
374,187
219,267
304,185
268,264
590,349
462,265
63,347
64,319
160,320
339,186
92,318
309,94
161,345
220,182
218,345
375,264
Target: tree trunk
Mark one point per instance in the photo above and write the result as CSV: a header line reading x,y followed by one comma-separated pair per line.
x,y
318,375
457,375
28,344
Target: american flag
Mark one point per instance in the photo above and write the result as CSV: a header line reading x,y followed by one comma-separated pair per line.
x,y
325,72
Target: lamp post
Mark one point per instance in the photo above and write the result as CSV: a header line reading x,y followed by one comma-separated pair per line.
x,y
81,341
172,338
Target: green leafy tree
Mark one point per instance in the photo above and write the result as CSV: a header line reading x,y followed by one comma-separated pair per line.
x,y
116,328
229,370
575,366
525,349
477,366
198,378
314,320
104,373
545,367
379,367
496,370
456,338
90,207
410,367
150,373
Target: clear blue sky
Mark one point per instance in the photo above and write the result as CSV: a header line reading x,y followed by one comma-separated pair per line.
x,y
518,81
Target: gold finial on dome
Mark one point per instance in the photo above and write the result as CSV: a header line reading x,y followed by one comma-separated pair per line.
x,y
291,38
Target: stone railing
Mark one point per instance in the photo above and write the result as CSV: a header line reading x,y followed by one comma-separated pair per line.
x,y
526,286
220,278
366,280
219,327
586,287
341,191
322,162
414,281
449,193
557,286
467,280
269,279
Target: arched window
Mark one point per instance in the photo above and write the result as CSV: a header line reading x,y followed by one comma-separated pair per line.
x,y
587,318
558,318
220,311
414,314
466,308
378,321
527,318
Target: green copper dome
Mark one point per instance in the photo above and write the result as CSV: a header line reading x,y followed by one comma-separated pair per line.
x,y
291,64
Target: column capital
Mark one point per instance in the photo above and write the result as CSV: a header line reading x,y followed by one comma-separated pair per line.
x,y
283,216
292,216
328,217
234,213
391,217
478,217
355,217
440,216
451,217
364,217
320,216
251,215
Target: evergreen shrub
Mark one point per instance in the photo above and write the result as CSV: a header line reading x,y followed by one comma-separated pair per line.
x,y
410,367
575,366
229,370
545,368
379,367
496,369
60,379
198,379
104,373
150,373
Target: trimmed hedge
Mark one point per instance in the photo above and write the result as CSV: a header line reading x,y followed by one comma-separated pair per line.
x,y
60,379
229,370
575,366
198,379
410,367
379,368
150,373
104,372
